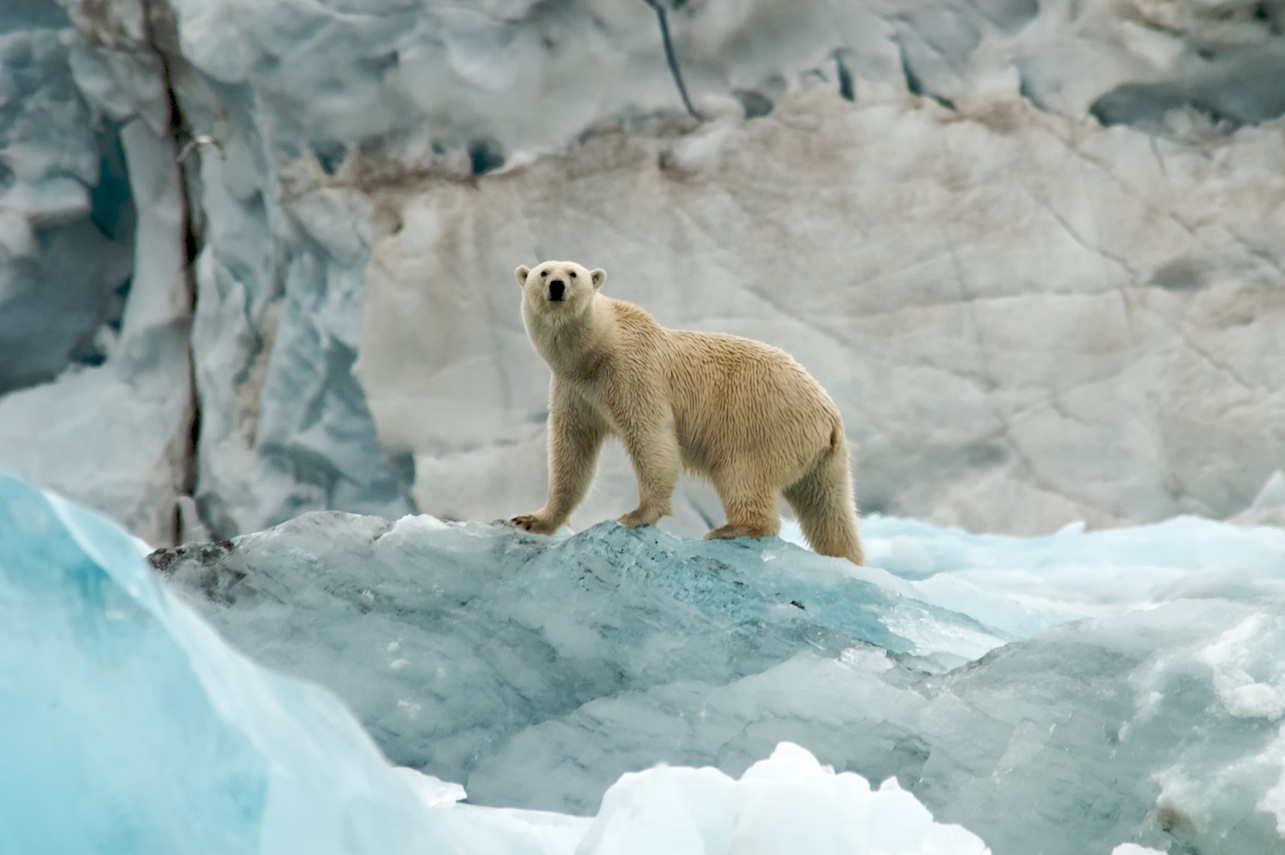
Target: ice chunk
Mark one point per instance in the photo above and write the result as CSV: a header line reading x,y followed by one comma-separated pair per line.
x,y
66,217
448,639
537,671
787,803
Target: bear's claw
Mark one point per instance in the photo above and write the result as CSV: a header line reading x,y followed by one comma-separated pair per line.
x,y
731,532
638,517
532,523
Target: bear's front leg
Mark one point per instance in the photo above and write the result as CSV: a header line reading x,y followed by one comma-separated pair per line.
x,y
653,450
575,438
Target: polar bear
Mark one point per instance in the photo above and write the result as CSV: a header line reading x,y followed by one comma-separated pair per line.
x,y
741,413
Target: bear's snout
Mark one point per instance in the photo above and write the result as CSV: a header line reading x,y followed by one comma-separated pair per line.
x,y
557,290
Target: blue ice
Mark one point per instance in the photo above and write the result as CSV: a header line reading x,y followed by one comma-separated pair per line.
x,y
1062,694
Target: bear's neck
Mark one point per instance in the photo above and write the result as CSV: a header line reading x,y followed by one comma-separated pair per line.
x,y
575,349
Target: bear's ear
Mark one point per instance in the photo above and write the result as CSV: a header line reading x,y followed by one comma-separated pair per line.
x,y
598,275
521,273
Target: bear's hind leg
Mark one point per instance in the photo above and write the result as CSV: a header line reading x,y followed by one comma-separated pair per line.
x,y
748,502
826,509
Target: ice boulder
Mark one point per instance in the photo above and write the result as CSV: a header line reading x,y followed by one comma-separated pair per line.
x,y
787,803
1060,695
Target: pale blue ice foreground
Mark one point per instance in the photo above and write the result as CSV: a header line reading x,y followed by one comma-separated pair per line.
x,y
128,727
538,671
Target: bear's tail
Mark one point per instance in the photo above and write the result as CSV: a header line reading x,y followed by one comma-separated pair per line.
x,y
824,503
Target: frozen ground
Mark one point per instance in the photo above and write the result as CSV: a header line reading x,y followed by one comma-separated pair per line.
x,y
1057,695
1042,275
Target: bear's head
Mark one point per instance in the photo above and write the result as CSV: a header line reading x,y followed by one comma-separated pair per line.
x,y
555,289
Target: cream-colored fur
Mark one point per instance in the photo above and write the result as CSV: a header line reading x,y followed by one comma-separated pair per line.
x,y
741,413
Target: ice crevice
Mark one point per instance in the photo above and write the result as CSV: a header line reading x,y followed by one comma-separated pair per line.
x,y
161,31
783,308
1112,175
671,57
1179,326
1072,232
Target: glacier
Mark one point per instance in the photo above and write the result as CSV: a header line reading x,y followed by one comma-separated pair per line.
x,y
1044,273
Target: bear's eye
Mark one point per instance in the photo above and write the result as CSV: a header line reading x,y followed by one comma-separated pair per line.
x,y
573,274
544,273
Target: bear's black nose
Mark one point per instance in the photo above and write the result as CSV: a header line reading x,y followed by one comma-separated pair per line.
x,y
556,289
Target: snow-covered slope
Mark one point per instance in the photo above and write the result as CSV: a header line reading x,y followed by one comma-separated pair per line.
x,y
537,671
1027,318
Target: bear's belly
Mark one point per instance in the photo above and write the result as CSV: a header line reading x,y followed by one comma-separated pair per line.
x,y
704,443
792,434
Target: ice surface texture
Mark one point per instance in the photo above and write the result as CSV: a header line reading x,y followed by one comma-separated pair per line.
x,y
1026,317
536,670
130,727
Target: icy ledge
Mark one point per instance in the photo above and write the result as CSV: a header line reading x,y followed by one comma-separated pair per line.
x,y
131,727
536,671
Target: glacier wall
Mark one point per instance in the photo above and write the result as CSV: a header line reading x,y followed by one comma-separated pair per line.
x,y
1012,349
1042,275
